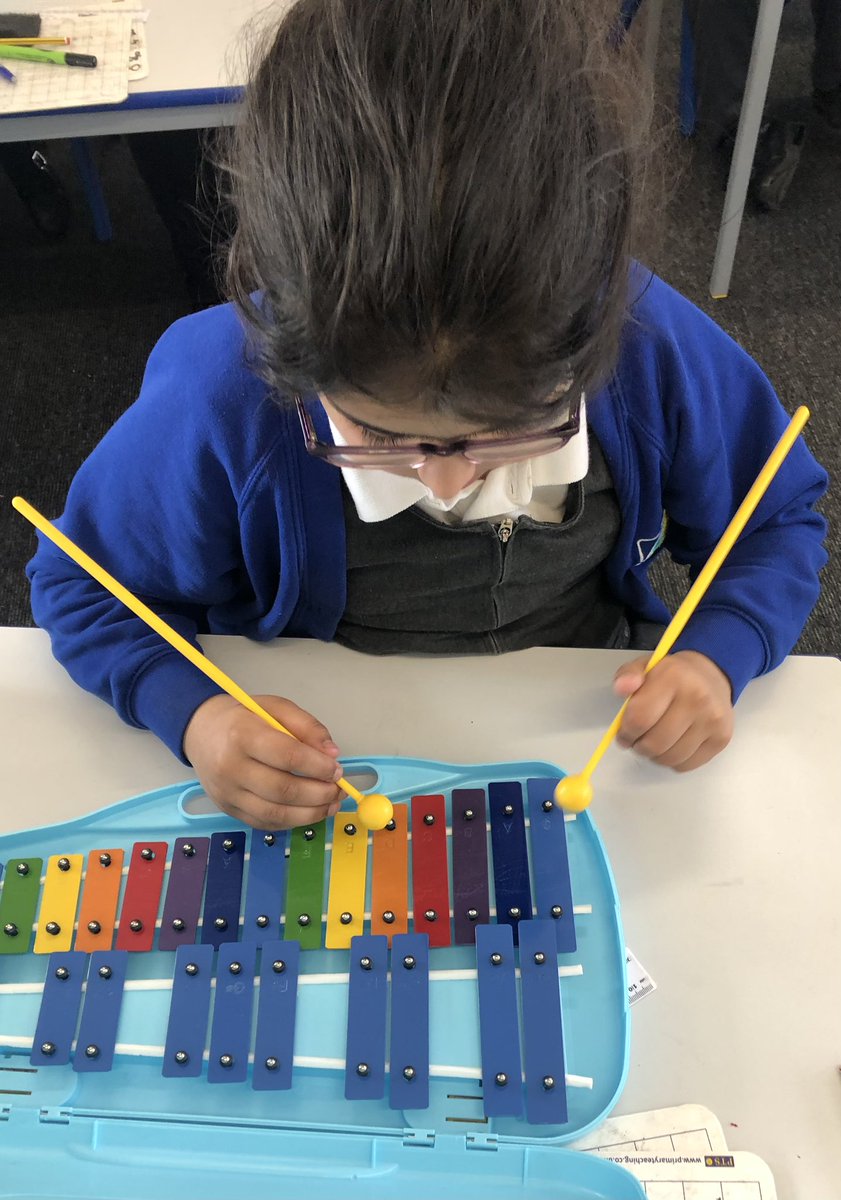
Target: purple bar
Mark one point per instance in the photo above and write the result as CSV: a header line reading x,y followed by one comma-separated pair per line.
x,y
470,864
183,895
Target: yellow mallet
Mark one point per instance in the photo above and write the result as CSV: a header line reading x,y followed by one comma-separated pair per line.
x,y
373,811
575,792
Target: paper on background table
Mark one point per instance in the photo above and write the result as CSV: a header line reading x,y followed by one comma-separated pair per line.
x,y
138,61
738,1175
680,1154
686,1128
42,86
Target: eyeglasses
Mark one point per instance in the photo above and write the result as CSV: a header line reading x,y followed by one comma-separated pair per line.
x,y
476,450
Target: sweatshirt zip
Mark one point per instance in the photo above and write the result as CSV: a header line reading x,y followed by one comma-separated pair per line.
x,y
503,532
504,529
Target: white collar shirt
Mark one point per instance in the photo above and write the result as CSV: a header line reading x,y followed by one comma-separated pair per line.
x,y
535,487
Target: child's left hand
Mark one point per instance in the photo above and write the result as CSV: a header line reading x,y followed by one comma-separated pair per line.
x,y
679,715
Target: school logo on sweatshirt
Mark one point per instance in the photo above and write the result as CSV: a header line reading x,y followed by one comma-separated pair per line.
x,y
648,547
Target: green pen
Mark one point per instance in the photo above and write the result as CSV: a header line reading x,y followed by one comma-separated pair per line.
x,y
63,58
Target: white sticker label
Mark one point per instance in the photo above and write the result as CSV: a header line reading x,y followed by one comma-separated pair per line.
x,y
640,982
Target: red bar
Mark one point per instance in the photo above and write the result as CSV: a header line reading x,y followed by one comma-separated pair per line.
x,y
142,896
430,881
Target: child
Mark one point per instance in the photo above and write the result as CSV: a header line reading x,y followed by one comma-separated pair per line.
x,y
385,439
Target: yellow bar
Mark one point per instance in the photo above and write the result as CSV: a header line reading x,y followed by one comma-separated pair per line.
x,y
58,903
348,873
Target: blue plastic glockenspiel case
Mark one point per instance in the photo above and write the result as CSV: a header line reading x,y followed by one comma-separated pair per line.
x,y
469,1017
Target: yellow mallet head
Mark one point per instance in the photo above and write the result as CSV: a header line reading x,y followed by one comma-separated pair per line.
x,y
374,811
573,793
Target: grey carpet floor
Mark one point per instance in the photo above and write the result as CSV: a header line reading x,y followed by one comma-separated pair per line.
x,y
784,305
77,319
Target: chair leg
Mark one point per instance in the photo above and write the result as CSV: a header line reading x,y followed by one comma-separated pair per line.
x,y
653,20
92,185
653,16
688,98
753,105
629,9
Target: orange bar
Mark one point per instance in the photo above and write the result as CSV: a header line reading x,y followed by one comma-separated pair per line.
x,y
99,900
390,876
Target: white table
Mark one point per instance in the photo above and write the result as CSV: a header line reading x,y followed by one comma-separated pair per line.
x,y
197,57
729,877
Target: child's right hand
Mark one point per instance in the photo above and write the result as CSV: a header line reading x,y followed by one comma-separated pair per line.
x,y
257,774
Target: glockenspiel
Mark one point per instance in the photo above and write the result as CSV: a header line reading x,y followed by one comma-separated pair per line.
x,y
461,971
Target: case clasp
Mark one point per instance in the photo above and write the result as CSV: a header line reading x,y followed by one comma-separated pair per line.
x,y
482,1141
54,1116
419,1137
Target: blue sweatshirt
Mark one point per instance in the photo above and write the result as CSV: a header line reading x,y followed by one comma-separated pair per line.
x,y
202,500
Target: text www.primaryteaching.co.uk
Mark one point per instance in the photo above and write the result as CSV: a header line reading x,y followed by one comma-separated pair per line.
x,y
697,1159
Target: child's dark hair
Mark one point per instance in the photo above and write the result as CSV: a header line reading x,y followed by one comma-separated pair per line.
x,y
435,201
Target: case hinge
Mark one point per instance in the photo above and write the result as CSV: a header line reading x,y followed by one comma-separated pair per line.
x,y
418,1137
54,1116
482,1141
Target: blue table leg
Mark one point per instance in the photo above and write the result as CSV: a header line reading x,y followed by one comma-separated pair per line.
x,y
92,184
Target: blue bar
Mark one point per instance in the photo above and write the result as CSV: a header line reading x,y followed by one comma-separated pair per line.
x,y
367,994
550,861
275,1041
188,1012
543,1034
59,1011
220,919
409,1052
101,1011
230,1035
502,1070
266,889
510,855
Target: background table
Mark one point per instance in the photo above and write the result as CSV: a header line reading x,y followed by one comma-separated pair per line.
x,y
198,52
197,59
728,876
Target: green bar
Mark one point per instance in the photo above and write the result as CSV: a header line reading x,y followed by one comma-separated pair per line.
x,y
18,904
305,890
